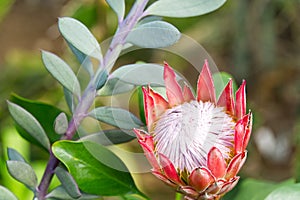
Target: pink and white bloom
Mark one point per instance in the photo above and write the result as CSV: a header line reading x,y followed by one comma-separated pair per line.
x,y
196,144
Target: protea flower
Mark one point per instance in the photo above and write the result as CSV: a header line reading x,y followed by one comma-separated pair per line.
x,y
196,144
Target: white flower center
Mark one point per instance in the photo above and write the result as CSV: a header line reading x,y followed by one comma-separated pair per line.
x,y
187,132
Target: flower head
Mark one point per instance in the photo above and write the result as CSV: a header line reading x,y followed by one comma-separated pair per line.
x,y
196,144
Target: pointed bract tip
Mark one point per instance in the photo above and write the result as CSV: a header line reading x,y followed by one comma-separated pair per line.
x,y
168,69
173,89
205,85
248,131
226,98
138,134
145,90
240,104
206,66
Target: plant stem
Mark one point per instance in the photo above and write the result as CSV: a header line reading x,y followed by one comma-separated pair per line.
x,y
178,196
47,177
89,93
122,32
79,114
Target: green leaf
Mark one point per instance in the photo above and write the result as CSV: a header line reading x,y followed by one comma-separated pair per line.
x,y
252,189
110,137
134,197
87,13
61,123
156,34
14,155
115,86
118,6
186,8
59,193
45,113
288,192
80,37
61,72
220,81
178,196
5,6
141,104
84,60
96,169
29,123
117,117
22,172
6,194
68,182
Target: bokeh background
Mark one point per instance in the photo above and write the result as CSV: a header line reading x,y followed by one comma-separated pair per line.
x,y
256,40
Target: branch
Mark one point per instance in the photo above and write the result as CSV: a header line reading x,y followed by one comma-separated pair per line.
x,y
90,92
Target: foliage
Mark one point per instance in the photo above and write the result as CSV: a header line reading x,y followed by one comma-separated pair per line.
x,y
85,168
251,189
4,7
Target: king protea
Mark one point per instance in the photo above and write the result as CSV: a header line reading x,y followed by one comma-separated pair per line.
x,y
196,144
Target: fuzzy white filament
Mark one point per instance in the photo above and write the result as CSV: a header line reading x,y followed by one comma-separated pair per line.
x,y
187,132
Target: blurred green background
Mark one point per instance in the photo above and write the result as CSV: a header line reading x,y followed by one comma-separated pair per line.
x,y
256,40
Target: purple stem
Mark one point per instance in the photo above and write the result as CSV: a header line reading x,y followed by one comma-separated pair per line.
x,y
47,177
89,94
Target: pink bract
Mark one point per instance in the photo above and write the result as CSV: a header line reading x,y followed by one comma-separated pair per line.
x,y
197,145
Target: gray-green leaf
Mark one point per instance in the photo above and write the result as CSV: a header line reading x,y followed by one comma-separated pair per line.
x,y
155,34
61,123
110,137
141,74
69,99
14,155
22,172
127,77
148,19
61,72
118,6
186,8
68,182
59,193
117,117
29,123
101,79
84,60
6,194
115,86
79,36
